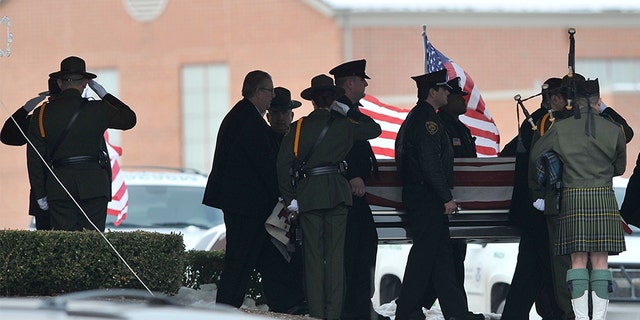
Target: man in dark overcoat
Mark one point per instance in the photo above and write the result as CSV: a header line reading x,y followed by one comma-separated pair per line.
x,y
243,184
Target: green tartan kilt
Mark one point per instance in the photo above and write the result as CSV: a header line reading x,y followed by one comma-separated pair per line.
x,y
589,221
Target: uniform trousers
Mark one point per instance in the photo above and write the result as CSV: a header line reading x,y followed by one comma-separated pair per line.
x,y
323,234
560,265
65,214
532,279
459,252
361,246
430,260
249,247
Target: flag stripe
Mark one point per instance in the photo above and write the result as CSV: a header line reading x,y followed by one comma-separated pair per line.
x,y
434,61
119,204
479,183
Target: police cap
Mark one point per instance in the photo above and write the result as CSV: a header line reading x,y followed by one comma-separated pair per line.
x,y
351,68
455,85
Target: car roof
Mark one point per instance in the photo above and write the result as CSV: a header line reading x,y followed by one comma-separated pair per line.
x,y
164,177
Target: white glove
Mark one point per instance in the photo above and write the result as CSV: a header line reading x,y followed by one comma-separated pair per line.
x,y
97,88
43,204
539,204
340,107
31,104
293,207
602,107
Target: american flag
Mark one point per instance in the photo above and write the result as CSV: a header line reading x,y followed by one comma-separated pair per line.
x,y
477,117
119,204
479,183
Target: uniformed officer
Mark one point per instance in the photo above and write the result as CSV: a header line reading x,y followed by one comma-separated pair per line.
x,y
464,146
592,150
320,142
424,157
532,280
280,112
554,99
361,243
69,133
630,209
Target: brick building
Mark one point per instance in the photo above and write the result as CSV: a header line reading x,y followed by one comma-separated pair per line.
x,y
180,63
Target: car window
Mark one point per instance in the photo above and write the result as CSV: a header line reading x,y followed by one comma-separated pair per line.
x,y
156,206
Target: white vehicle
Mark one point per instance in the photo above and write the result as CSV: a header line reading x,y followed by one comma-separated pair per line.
x,y
114,304
489,269
171,202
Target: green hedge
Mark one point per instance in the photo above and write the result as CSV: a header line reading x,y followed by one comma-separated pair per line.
x,y
56,262
44,263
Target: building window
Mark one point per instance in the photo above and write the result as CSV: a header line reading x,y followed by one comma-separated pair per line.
x,y
145,10
614,75
205,102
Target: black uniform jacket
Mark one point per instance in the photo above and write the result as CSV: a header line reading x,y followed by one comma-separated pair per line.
x,y
361,157
84,138
423,152
243,178
464,144
630,210
10,134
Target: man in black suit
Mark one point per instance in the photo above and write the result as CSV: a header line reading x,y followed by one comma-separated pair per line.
x,y
244,185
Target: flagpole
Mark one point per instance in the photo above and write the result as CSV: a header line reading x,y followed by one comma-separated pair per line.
x,y
426,53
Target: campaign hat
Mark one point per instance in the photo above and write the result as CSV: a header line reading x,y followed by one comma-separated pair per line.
x,y
71,68
349,69
319,83
282,100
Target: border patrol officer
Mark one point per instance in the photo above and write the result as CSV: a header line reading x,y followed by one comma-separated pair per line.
x,y
424,157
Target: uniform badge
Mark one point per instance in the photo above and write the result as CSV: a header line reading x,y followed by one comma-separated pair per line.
x,y
432,127
456,142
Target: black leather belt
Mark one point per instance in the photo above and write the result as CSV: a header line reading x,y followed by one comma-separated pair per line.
x,y
73,160
341,168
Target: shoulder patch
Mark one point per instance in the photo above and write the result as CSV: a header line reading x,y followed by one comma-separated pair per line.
x,y
432,127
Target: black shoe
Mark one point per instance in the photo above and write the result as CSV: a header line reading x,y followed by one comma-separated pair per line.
x,y
299,309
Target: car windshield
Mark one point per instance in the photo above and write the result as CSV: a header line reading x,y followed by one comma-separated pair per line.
x,y
167,207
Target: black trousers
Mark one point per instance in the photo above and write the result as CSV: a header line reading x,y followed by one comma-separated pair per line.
x,y
430,260
532,279
360,248
65,215
249,247
459,252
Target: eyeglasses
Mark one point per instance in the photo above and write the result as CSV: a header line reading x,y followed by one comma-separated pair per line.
x,y
267,89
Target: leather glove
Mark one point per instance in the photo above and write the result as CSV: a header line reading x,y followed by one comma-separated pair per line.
x,y
97,88
33,102
293,207
539,204
43,204
339,107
